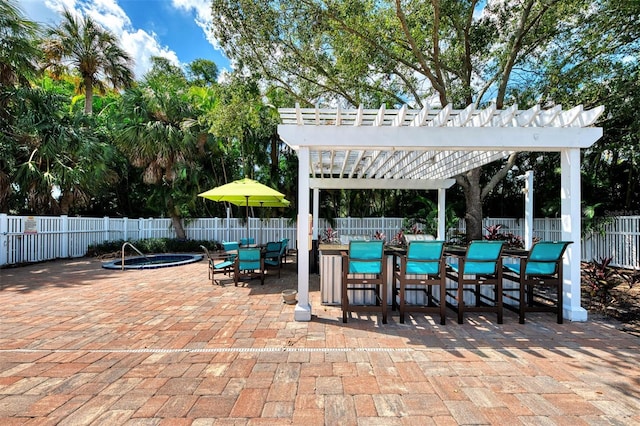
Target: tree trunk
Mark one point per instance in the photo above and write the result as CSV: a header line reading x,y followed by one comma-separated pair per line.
x,y
275,151
176,220
65,202
88,95
473,203
474,195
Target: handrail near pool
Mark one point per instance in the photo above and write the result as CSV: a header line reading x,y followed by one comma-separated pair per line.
x,y
133,247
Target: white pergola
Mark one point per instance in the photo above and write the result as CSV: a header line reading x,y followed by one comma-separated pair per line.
x,y
424,149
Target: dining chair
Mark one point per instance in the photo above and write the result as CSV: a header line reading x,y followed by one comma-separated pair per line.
x,y
364,270
285,244
218,264
251,262
541,268
273,255
479,268
421,269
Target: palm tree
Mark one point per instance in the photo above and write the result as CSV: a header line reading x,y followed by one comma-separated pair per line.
x,y
19,53
159,132
62,158
91,50
18,58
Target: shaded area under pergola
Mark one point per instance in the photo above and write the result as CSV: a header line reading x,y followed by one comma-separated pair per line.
x,y
425,149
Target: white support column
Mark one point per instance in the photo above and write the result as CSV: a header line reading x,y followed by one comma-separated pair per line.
x,y
316,212
442,222
64,235
105,228
4,240
528,210
303,308
571,229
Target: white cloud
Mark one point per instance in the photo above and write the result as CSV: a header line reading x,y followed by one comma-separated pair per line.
x,y
139,44
202,9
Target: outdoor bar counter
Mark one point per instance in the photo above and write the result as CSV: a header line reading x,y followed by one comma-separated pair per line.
x,y
331,273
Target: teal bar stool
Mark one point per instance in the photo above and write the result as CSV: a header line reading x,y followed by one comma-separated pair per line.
x,y
481,267
536,274
364,269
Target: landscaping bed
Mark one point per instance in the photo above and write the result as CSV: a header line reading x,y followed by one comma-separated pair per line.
x,y
612,293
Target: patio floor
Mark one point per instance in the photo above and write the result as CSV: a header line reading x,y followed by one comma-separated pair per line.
x,y
83,345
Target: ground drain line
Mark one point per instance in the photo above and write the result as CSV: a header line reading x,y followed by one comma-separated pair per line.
x,y
207,350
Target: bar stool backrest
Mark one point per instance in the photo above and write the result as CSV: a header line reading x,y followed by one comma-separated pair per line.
x,y
366,257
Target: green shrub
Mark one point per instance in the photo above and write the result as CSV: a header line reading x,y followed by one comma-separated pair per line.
x,y
152,246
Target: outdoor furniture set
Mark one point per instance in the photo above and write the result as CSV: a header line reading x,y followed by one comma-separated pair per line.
x,y
245,262
476,272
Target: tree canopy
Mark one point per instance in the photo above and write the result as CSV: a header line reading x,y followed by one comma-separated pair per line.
x,y
151,146
393,52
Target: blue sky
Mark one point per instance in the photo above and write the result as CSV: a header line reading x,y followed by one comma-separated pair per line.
x,y
174,29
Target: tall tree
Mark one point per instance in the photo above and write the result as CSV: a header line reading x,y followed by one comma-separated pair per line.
x,y
95,53
603,67
61,160
372,52
159,132
18,53
203,72
18,58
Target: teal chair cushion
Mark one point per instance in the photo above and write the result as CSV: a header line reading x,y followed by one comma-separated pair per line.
x,y
371,267
484,250
365,257
283,245
230,246
534,268
481,258
422,268
423,257
249,259
543,258
224,264
247,241
425,250
272,254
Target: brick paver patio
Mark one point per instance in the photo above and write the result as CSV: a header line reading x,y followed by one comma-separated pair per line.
x,y
82,345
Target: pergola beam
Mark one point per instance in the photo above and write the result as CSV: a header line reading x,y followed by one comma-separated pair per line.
x,y
440,138
355,183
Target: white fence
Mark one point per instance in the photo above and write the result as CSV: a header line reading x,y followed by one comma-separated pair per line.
x,y
39,238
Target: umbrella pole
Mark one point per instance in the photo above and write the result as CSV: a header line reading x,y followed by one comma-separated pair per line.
x,y
228,223
261,222
247,197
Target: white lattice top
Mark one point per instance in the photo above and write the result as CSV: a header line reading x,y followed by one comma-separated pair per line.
x,y
406,148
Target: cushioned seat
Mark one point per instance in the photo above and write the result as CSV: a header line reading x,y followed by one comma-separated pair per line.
x,y
481,267
421,269
222,263
249,262
542,269
364,270
273,255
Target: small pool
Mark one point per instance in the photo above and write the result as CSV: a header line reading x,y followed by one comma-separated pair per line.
x,y
153,261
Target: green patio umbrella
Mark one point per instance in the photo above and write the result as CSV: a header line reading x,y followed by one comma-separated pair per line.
x,y
246,192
